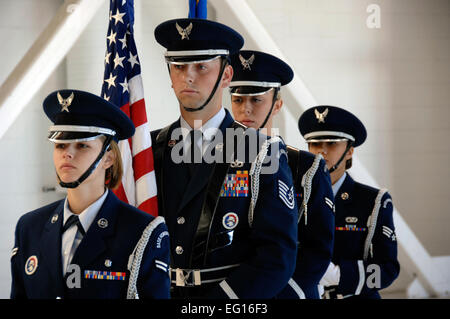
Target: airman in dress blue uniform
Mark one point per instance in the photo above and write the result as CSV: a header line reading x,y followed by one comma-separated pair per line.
x,y
90,244
365,247
255,100
232,221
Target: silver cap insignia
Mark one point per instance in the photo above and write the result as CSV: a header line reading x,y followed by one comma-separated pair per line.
x,y
321,116
65,103
246,63
184,32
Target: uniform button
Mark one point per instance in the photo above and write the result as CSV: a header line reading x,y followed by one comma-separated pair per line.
x,y
179,250
180,220
102,223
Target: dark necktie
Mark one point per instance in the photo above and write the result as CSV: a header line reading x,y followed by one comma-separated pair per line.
x,y
195,151
72,220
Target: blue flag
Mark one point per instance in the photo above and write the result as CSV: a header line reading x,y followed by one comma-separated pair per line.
x,y
198,9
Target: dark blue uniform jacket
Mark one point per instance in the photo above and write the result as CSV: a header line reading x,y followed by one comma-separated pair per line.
x,y
210,225
366,265
315,227
38,234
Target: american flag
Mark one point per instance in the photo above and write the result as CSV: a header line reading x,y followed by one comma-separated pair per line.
x,y
123,87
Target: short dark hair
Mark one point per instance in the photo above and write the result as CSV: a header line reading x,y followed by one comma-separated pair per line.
x,y
348,163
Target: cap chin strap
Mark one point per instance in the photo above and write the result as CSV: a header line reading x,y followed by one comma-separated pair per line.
x,y
224,63
274,99
335,166
90,169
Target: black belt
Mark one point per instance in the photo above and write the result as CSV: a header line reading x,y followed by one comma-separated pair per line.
x,y
196,277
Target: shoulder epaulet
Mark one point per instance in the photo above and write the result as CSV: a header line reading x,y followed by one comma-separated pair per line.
x,y
162,134
307,158
366,189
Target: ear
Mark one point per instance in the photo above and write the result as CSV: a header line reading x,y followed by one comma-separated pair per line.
x,y
227,76
349,153
277,106
108,159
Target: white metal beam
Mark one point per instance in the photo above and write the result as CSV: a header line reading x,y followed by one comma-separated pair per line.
x,y
420,262
43,57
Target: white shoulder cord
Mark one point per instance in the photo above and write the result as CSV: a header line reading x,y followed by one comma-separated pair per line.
x,y
255,171
134,261
372,223
307,186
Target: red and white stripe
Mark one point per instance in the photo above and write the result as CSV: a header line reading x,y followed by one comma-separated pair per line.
x,y
138,186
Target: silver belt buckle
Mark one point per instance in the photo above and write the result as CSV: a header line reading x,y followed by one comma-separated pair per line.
x,y
187,277
332,294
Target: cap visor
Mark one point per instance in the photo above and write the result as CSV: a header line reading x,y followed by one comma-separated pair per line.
x,y
249,90
190,59
71,137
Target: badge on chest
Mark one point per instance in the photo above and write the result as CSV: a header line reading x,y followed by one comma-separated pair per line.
x,y
351,225
105,275
235,185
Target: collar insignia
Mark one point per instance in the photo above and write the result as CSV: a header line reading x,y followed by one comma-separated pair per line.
x,y
171,143
54,218
345,196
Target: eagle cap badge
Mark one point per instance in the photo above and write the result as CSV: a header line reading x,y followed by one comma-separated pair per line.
x,y
184,33
321,116
65,103
247,63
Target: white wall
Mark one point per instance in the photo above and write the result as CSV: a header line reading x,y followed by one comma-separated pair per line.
x,y
25,153
395,79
